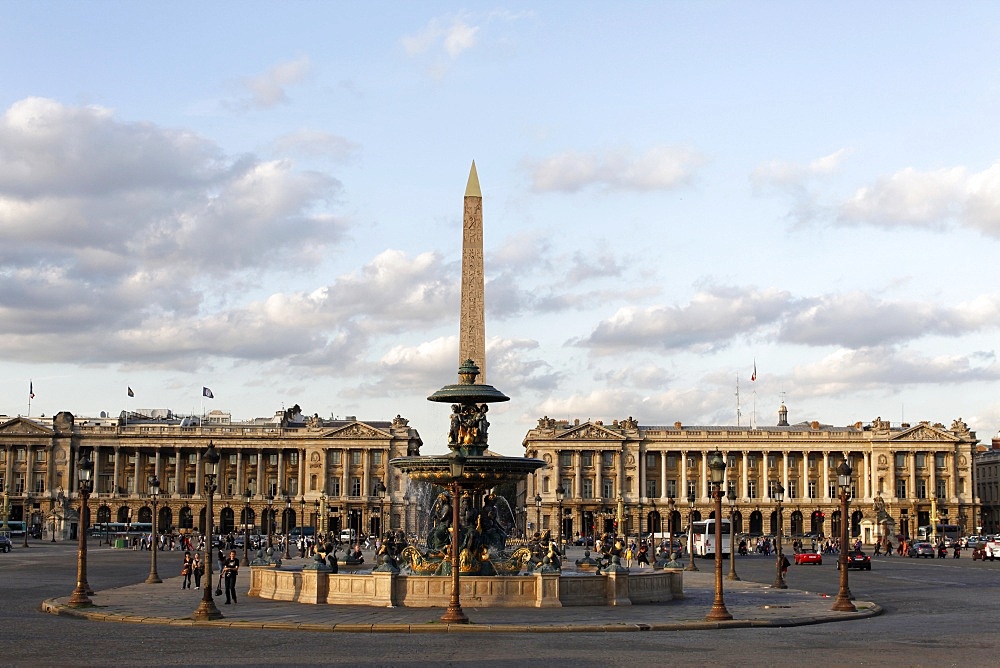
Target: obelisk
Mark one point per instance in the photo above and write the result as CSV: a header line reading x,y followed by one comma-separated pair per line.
x,y
472,327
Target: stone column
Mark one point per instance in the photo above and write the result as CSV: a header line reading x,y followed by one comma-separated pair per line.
x,y
804,477
932,477
114,483
891,456
578,477
599,473
702,486
241,475
29,473
784,472
826,476
663,475
366,489
345,462
281,474
136,487
641,472
557,470
261,483
745,478
177,473
866,458
683,491
912,459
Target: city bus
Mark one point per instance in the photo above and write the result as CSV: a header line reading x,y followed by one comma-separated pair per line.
x,y
950,533
703,538
16,528
122,529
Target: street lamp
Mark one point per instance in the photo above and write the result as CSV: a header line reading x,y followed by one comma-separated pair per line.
x,y
288,529
538,514
247,495
843,602
717,469
26,516
79,599
316,527
270,518
302,524
560,495
779,581
732,534
154,495
670,528
206,609
454,613
691,499
380,492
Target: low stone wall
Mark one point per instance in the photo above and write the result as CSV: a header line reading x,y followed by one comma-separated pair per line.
x,y
538,590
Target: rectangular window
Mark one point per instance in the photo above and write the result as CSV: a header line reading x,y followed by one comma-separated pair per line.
x,y
752,488
901,488
335,458
565,459
334,487
21,455
812,489
942,488
252,460
272,459
671,461
609,489
691,462
586,459
900,460
272,486
692,488
39,485
355,458
293,486
377,457
672,489
752,461
293,457
231,486
588,488
129,485
792,489
651,488
939,460
771,461
190,484
921,489
355,486
192,458
650,460
232,460
567,485
832,491
40,456
608,459
731,463
921,460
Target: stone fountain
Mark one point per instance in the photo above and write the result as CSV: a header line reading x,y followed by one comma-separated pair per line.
x,y
468,533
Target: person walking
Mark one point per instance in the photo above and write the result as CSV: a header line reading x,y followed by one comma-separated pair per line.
x,y
186,571
197,569
230,569
643,558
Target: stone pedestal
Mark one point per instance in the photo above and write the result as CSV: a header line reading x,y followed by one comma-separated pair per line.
x,y
547,591
617,588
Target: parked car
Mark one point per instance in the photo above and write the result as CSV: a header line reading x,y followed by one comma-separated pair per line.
x,y
5,544
921,550
858,560
809,558
587,541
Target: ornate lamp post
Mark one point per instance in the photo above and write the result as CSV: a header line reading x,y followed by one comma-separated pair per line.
x,y
691,566
560,495
316,527
843,602
79,599
154,495
302,524
779,581
670,528
380,492
27,517
206,609
270,517
454,613
247,495
538,514
288,528
732,535
717,468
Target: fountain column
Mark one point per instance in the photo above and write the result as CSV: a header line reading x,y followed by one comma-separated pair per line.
x,y
472,324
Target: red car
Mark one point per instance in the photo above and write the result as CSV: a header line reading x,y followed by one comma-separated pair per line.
x,y
808,558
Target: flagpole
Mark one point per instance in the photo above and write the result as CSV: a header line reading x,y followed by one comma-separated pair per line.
x,y
738,412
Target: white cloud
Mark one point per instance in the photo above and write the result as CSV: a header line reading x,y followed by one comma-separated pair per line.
x,y
784,174
268,90
315,143
453,35
658,168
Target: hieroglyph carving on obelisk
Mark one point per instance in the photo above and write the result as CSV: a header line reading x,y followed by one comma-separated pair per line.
x,y
472,330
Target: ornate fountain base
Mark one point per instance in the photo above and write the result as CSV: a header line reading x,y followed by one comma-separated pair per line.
x,y
538,590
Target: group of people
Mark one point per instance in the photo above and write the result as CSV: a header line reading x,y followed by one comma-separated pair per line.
x,y
229,568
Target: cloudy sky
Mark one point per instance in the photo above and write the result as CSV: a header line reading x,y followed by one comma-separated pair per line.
x,y
265,198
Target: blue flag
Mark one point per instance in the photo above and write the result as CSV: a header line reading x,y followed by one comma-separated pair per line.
x,y
205,392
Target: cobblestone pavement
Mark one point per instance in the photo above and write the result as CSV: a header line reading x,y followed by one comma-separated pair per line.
x,y
751,604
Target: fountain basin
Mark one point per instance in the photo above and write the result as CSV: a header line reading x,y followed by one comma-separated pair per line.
x,y
536,590
479,471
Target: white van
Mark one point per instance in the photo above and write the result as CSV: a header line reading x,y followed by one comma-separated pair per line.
x,y
349,536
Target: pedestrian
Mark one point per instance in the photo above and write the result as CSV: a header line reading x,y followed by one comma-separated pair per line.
x,y
197,569
878,548
958,551
186,571
784,565
643,558
628,557
230,569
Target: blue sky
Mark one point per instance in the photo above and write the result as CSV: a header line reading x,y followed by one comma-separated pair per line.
x,y
266,199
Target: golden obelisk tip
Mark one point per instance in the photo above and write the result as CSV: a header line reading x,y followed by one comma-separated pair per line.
x,y
472,188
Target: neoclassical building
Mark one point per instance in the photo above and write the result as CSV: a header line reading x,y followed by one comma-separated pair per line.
x,y
331,473
641,475
988,486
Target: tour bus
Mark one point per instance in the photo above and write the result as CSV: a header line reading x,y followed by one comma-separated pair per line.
x,y
16,528
950,533
124,528
703,538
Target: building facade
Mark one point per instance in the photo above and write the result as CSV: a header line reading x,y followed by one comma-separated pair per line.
x,y
988,486
646,476
284,471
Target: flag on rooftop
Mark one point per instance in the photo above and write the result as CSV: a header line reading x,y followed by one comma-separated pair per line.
x,y
130,392
31,390
205,392
753,377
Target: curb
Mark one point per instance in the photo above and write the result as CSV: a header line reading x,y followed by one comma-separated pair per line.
x,y
870,609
